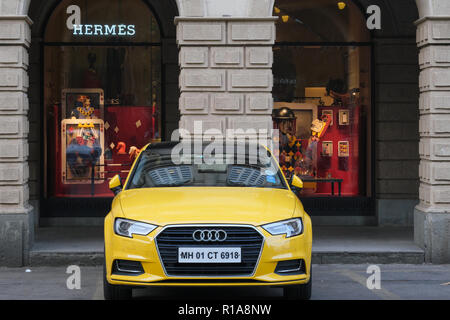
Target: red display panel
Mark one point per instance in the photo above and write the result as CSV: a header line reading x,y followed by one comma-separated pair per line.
x,y
134,126
344,163
124,127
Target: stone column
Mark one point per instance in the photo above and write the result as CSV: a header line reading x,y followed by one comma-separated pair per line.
x,y
432,215
226,64
15,213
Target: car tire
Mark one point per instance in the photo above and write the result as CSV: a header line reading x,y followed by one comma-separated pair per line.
x,y
112,292
299,291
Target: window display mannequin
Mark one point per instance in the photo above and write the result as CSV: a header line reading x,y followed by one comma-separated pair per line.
x,y
290,145
91,78
115,62
318,129
297,156
84,149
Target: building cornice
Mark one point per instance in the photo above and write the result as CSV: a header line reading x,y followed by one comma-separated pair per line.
x,y
224,19
432,18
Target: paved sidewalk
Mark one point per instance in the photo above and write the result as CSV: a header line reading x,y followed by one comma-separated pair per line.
x,y
348,245
330,282
365,245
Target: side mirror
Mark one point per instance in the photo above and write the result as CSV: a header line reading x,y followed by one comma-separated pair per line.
x,y
115,184
296,182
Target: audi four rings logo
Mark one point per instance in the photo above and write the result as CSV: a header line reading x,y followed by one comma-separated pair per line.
x,y
209,235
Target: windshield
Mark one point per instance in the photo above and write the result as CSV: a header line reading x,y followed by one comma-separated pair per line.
x,y
157,167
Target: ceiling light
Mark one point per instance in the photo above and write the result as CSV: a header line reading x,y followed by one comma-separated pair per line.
x,y
341,5
285,18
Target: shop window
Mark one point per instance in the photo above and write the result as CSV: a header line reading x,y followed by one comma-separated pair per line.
x,y
102,93
322,94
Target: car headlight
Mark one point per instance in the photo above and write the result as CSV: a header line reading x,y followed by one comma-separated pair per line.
x,y
127,228
290,228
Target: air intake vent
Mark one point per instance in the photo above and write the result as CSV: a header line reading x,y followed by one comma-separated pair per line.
x,y
290,267
127,268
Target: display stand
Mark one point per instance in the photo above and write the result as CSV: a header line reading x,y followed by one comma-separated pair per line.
x,y
332,157
70,97
82,146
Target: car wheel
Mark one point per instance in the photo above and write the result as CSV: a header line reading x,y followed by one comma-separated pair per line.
x,y
112,292
299,291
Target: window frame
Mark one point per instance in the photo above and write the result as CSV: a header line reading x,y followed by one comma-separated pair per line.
x,y
363,205
43,44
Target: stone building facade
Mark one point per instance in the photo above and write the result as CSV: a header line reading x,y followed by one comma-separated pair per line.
x,y
217,62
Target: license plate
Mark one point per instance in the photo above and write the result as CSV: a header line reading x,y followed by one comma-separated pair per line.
x,y
209,255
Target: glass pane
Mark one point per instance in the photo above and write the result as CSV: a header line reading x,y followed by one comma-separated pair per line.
x,y
319,21
317,83
156,168
102,106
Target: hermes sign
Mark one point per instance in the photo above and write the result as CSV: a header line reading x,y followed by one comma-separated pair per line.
x,y
74,23
103,30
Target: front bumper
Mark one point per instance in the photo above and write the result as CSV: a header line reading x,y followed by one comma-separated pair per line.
x,y
144,250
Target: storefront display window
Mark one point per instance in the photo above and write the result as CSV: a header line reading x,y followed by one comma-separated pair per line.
x,y
322,94
102,93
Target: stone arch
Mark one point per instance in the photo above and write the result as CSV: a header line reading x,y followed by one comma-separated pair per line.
x,y
164,13
229,8
40,11
392,13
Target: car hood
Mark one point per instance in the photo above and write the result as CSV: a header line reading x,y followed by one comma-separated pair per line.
x,y
183,205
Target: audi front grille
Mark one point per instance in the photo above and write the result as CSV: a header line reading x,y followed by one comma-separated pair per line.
x,y
247,238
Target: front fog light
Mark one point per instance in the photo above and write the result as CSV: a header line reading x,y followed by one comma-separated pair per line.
x,y
290,228
127,228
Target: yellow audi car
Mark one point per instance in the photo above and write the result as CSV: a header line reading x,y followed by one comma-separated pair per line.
x,y
181,219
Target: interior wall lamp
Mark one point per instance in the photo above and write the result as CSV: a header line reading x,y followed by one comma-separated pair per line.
x,y
341,5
